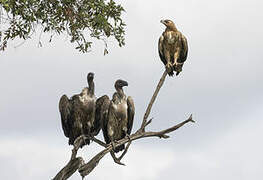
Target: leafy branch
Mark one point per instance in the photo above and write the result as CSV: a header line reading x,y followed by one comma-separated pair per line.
x,y
81,20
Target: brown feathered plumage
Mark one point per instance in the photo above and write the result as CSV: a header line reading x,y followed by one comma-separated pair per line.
x,y
78,113
116,115
172,48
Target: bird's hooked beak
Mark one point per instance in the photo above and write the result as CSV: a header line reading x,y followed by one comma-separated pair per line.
x,y
162,21
124,83
120,83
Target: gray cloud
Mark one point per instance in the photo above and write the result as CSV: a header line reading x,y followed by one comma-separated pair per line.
x,y
220,84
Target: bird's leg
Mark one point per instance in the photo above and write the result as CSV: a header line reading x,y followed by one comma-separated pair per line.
x,y
84,140
83,136
126,134
176,56
113,144
177,66
168,66
111,134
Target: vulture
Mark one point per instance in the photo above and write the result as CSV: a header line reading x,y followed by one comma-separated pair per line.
x,y
116,115
78,113
173,48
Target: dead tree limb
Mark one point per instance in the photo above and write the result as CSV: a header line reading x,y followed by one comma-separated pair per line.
x,y
85,168
149,107
72,166
88,167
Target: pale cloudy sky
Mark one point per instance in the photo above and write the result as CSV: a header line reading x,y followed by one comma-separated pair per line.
x,y
221,84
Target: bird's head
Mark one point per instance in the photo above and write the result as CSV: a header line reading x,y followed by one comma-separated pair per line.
x,y
169,24
120,83
90,77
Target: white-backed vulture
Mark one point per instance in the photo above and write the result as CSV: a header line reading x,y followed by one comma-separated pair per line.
x,y
78,113
173,48
116,115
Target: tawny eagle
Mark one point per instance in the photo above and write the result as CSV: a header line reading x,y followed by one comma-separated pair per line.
x,y
172,48
116,115
78,113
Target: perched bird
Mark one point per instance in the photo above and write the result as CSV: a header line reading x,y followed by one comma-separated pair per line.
x,y
78,113
116,115
172,48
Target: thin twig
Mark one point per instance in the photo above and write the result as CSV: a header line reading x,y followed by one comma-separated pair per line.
x,y
125,151
116,160
98,141
80,141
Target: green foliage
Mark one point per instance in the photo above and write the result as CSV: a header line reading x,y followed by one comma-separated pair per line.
x,y
82,20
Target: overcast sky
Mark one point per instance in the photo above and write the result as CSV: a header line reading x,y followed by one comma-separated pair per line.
x,y
221,84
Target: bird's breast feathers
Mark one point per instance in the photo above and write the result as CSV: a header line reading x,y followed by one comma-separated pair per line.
x,y
86,98
120,109
170,38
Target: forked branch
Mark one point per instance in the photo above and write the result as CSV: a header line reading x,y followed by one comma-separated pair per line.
x,y
88,167
85,168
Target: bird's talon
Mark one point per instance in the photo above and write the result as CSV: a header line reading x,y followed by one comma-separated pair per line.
x,y
169,65
128,136
168,68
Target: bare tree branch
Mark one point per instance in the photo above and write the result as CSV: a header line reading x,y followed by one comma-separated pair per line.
x,y
85,169
116,160
98,141
72,166
88,167
125,151
149,107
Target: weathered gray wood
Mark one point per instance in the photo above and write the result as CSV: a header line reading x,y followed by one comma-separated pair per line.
x,y
72,166
149,107
88,167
